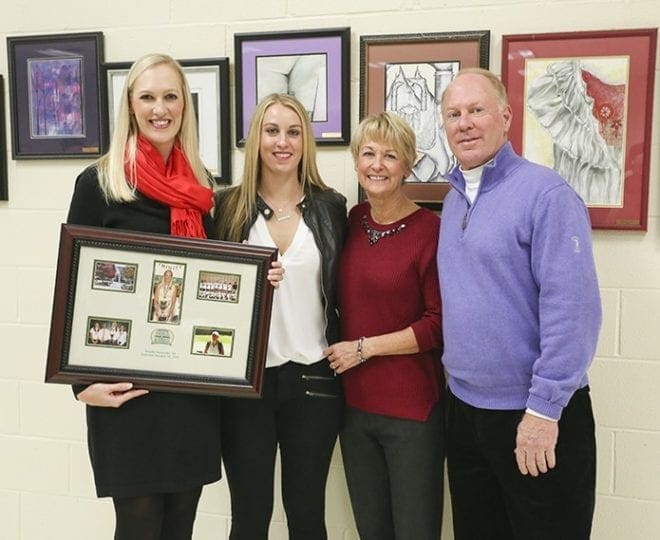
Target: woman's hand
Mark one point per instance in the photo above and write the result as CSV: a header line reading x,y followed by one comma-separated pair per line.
x,y
343,356
110,395
275,273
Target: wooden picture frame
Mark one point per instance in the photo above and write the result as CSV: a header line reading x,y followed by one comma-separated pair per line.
x,y
406,74
139,307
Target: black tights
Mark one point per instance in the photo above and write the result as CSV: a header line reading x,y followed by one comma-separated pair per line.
x,y
163,516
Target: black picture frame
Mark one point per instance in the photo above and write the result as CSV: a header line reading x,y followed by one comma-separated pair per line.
x,y
159,352
208,79
326,52
4,181
44,66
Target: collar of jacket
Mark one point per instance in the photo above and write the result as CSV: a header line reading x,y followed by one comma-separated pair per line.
x,y
503,162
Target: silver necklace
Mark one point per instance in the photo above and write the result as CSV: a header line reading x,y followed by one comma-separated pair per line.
x,y
280,214
375,235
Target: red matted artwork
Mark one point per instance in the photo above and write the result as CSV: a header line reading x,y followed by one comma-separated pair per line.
x,y
583,104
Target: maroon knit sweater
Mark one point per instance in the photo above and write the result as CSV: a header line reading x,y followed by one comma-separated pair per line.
x,y
384,288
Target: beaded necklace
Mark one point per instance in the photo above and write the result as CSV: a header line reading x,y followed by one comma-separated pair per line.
x,y
375,235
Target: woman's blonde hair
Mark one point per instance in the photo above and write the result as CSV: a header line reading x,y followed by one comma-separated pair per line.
x,y
388,128
123,145
242,199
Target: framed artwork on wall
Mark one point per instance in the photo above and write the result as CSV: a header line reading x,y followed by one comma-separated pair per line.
x,y
4,185
208,79
312,65
166,313
583,104
56,97
406,74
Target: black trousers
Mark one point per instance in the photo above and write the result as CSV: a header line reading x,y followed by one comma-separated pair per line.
x,y
491,499
394,470
301,412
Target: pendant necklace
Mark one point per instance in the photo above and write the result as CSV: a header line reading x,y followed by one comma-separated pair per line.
x,y
281,212
281,216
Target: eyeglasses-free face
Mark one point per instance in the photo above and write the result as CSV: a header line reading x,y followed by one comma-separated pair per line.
x,y
475,121
380,169
281,141
157,103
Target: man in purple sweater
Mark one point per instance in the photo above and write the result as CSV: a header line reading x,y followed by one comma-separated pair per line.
x,y
521,315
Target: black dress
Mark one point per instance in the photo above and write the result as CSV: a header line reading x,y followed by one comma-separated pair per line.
x,y
158,443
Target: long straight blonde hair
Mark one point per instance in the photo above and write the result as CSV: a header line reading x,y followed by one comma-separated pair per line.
x,y
241,201
123,145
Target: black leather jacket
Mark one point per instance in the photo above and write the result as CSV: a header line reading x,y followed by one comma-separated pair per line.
x,y
324,212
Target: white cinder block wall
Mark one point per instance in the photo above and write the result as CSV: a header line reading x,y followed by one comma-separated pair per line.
x,y
46,490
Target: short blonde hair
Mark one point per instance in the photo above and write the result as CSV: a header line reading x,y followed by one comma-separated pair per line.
x,y
123,146
389,128
494,80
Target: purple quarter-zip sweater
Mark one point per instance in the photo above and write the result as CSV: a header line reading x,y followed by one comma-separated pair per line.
x,y
521,306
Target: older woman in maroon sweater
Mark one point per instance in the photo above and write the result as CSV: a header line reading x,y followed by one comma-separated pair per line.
x,y
389,301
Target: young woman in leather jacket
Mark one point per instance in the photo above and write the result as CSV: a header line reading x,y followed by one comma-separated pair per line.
x,y
283,202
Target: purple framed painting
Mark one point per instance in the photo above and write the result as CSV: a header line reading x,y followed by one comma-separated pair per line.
x,y
56,97
312,65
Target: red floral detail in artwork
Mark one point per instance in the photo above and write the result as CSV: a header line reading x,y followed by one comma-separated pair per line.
x,y
608,107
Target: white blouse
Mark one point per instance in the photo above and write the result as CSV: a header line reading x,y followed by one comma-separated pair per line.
x,y
297,324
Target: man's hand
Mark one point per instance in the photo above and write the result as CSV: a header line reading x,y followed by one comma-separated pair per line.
x,y
535,444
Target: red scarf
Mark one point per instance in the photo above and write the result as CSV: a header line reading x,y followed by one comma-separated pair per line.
x,y
173,184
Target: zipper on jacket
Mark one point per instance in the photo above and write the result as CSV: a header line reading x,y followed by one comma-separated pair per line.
x,y
469,207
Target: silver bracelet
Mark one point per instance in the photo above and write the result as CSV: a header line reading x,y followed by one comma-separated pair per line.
x,y
361,358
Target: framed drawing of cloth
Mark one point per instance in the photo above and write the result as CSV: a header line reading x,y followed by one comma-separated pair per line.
x,y
582,104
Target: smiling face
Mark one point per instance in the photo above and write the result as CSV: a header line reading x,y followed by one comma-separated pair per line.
x,y
157,101
380,169
281,141
475,120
